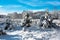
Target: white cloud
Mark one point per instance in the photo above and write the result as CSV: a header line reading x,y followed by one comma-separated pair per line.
x,y
32,2
56,3
3,13
39,2
38,10
12,6
5,9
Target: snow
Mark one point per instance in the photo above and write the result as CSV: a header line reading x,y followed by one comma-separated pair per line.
x,y
21,35
33,33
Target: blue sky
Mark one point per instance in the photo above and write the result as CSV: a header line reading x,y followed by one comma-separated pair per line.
x,y
19,5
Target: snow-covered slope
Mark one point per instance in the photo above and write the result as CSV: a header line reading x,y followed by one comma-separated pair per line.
x,y
33,33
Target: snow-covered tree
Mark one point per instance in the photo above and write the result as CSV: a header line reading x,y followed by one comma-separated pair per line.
x,y
46,20
27,21
8,24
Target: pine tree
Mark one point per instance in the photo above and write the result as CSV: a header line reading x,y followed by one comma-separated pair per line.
x,y
8,24
27,21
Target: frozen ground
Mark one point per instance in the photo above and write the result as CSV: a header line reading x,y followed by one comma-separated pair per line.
x,y
33,33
